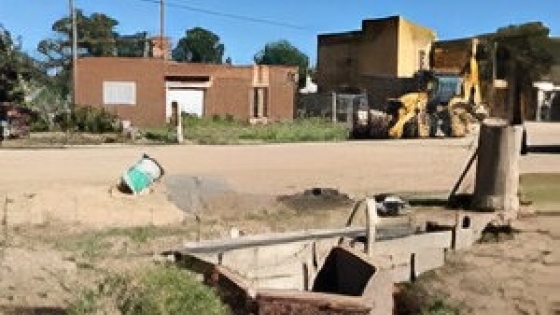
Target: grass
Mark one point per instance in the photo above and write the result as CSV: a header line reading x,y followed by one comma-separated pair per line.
x,y
208,130
225,130
157,290
542,190
417,298
97,244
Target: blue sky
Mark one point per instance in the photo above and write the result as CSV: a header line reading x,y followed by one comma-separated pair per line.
x,y
303,19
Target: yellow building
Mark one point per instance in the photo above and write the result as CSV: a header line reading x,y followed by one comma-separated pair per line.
x,y
391,47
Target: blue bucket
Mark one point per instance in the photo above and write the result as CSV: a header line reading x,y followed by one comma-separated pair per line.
x,y
142,174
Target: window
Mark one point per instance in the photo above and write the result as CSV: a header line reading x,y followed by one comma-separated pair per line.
x,y
119,93
423,60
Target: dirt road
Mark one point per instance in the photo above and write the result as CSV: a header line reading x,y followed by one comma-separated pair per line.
x,y
46,189
72,183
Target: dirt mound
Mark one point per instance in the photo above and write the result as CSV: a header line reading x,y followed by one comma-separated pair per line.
x,y
316,199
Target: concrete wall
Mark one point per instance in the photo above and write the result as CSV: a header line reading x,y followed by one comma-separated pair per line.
x,y
413,39
386,47
379,50
336,60
228,90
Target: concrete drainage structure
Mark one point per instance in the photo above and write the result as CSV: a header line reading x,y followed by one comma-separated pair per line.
x,y
350,270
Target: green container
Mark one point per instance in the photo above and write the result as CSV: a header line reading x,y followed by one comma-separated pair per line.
x,y
142,174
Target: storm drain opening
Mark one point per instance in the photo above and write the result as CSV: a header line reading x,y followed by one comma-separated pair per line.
x,y
343,273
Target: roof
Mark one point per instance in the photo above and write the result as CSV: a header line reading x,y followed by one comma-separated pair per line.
x,y
356,34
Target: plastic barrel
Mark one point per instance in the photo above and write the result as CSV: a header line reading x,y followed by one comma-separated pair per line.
x,y
142,174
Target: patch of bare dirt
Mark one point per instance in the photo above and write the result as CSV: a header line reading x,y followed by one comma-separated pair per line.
x,y
316,199
517,276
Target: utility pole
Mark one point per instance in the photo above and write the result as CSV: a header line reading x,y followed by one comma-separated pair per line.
x,y
74,50
162,19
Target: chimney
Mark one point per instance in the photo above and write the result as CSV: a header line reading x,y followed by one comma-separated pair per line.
x,y
160,47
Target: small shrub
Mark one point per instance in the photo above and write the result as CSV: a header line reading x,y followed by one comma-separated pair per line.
x,y
229,118
88,119
157,290
39,124
418,298
440,307
160,135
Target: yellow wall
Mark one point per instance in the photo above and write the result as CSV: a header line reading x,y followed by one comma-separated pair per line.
x,y
412,40
386,47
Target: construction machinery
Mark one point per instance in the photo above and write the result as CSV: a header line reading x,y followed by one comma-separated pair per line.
x,y
446,104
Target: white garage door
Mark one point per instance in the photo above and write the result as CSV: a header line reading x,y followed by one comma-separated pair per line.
x,y
191,101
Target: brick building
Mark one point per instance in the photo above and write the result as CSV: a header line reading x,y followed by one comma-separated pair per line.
x,y
141,89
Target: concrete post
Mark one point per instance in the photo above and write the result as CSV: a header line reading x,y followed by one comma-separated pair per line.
x,y
176,112
333,102
497,172
540,101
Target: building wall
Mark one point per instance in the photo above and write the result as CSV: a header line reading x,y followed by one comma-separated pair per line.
x,y
451,56
378,54
386,47
228,90
336,60
148,75
413,39
282,93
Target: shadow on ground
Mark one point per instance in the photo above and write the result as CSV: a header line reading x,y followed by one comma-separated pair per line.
x,y
22,310
548,149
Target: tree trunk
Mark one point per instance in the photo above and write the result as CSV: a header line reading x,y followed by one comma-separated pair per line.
x,y
497,172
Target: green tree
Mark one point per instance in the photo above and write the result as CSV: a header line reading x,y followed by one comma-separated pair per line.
x,y
17,69
529,45
284,53
135,45
199,45
96,37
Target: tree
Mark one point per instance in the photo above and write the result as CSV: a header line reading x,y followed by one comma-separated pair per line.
x,y
96,38
284,53
199,45
528,44
529,47
136,45
17,69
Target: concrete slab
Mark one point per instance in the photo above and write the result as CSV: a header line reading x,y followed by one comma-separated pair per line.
x,y
463,238
413,243
428,259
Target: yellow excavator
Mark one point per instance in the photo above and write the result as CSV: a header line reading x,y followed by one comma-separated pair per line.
x,y
447,105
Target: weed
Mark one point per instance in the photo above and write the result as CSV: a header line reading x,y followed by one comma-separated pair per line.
x,y
158,290
226,130
440,307
417,298
92,247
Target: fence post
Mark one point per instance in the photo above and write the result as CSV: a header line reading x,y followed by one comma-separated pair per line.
x,y
333,100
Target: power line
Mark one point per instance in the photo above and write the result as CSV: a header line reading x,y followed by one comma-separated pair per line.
x,y
227,15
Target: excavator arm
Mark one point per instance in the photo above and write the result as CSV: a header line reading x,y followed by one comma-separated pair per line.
x,y
412,103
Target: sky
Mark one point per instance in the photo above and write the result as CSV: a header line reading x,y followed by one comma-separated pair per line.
x,y
245,26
